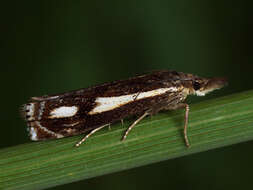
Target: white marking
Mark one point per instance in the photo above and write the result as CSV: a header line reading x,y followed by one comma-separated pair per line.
x,y
110,103
44,98
198,93
52,97
45,129
33,131
33,134
63,111
204,92
30,107
41,110
71,124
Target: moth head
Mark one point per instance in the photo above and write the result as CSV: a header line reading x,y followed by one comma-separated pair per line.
x,y
202,86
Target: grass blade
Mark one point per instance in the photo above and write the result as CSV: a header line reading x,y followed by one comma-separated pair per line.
x,y
213,123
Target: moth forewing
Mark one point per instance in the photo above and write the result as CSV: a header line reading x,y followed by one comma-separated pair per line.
x,y
91,109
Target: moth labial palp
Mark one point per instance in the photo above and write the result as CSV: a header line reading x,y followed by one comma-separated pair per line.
x,y
91,109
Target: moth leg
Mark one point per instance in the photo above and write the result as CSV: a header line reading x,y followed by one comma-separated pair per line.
x,y
87,136
122,122
186,117
134,123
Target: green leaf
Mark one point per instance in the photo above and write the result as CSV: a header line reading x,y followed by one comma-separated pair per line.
x,y
213,123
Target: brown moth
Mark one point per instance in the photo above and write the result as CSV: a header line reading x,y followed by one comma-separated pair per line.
x,y
91,109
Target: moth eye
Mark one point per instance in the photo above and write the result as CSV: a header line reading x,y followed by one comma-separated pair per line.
x,y
196,85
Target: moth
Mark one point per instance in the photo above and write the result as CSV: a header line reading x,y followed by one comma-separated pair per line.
x,y
91,109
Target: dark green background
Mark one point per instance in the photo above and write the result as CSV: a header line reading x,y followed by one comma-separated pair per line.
x,y
56,46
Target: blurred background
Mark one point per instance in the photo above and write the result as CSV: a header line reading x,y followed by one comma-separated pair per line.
x,y
55,46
